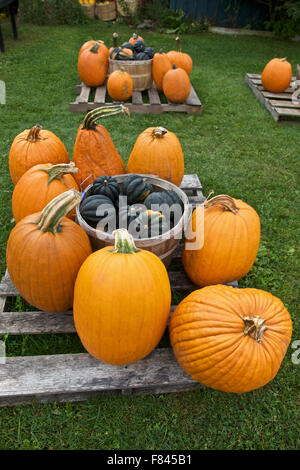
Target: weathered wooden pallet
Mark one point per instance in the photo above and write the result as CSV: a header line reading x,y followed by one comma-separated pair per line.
x,y
284,107
149,101
75,377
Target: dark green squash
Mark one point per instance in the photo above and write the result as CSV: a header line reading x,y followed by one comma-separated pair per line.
x,y
149,224
127,214
89,207
139,46
107,186
141,56
114,53
167,198
136,188
150,52
127,45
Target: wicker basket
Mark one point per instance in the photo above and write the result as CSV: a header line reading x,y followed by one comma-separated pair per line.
x,y
163,245
89,10
107,12
140,71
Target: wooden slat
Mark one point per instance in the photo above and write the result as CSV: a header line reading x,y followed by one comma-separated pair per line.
x,y
190,182
288,112
261,98
137,97
153,95
84,94
100,94
284,104
73,377
193,99
282,96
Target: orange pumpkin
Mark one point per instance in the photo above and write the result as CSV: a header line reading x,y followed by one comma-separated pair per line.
x,y
230,339
115,318
176,85
135,37
44,253
32,147
89,44
180,59
160,66
157,151
230,231
40,185
120,85
277,75
94,151
93,64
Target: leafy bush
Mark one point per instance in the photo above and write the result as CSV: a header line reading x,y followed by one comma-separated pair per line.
x,y
52,12
284,17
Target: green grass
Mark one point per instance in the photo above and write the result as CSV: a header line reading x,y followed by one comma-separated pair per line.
x,y
236,148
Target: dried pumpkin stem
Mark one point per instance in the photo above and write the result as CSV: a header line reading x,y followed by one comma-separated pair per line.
x,y
56,172
96,46
254,327
34,132
115,39
56,209
124,242
224,201
159,132
92,117
178,44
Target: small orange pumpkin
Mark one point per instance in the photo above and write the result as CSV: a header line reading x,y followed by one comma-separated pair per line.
x,y
176,85
277,75
180,59
93,64
230,339
120,85
230,231
32,147
44,253
135,37
157,151
94,152
122,301
39,185
160,66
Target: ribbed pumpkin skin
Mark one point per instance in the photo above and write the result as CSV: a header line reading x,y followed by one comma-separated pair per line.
x,y
277,75
230,246
95,155
119,85
93,66
181,60
25,154
121,305
176,85
33,191
43,266
160,156
207,336
160,66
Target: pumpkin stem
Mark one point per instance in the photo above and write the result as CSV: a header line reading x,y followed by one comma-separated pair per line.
x,y
34,132
56,172
159,132
135,36
178,44
115,39
254,327
283,59
55,210
226,202
124,242
96,46
90,119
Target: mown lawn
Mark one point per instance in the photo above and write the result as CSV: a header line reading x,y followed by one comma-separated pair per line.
x,y
236,148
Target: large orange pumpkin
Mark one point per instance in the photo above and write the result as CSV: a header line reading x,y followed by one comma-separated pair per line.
x,y
176,85
44,253
120,85
89,44
34,146
157,151
40,185
277,75
160,66
94,151
230,230
230,339
122,302
93,64
180,59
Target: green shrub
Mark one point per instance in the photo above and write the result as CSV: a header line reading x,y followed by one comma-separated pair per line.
x,y
52,12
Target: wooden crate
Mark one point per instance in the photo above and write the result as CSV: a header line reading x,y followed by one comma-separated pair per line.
x,y
84,101
281,105
75,377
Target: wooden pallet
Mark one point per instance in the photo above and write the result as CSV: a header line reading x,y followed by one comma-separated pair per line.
x,y
148,101
281,105
75,377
